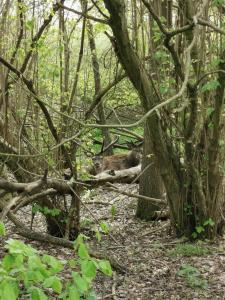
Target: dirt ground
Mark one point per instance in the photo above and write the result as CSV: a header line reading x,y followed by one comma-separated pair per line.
x,y
143,251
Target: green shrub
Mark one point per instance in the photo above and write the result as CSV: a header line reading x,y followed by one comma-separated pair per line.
x,y
23,271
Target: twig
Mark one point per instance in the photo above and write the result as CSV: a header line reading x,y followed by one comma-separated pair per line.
x,y
211,25
97,202
156,201
153,231
114,287
36,197
82,14
207,74
99,9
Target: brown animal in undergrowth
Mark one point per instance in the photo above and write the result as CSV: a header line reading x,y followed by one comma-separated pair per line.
x,y
116,162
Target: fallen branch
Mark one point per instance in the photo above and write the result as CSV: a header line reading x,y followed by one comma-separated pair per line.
x,y
153,230
156,201
28,200
124,176
60,186
97,203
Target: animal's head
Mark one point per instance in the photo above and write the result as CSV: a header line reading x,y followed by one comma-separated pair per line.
x,y
136,150
97,163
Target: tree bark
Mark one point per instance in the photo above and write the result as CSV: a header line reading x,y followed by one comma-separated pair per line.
x,y
151,184
97,79
161,145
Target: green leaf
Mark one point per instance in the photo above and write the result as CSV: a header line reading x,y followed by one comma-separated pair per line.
x,y
29,24
209,111
72,263
98,235
216,61
218,2
82,251
113,210
92,296
74,294
210,86
34,263
18,247
38,294
105,267
2,229
199,229
88,269
8,262
163,89
33,277
57,285
209,222
54,283
105,227
9,290
187,269
79,241
194,235
81,283
55,264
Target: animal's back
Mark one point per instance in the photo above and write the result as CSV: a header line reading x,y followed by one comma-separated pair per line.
x,y
114,162
121,161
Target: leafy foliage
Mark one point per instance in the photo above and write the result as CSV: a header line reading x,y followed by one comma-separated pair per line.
x,y
24,270
210,86
192,277
201,229
45,210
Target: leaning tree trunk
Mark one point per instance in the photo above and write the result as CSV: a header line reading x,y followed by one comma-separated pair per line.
x,y
194,186
140,79
151,184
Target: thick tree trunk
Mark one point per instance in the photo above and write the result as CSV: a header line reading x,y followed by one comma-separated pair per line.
x,y
194,186
137,74
151,184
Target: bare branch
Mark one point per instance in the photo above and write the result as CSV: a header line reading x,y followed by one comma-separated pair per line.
x,y
211,25
157,201
99,9
83,14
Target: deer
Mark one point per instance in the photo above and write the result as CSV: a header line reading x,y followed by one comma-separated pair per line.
x,y
117,161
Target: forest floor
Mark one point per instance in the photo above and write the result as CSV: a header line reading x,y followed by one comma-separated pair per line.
x,y
156,264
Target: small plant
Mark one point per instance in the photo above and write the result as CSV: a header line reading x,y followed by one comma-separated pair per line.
x,y
188,250
113,211
24,271
201,229
86,222
45,210
192,277
2,229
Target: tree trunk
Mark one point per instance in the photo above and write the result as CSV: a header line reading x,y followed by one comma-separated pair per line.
x,y
151,184
97,79
188,185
